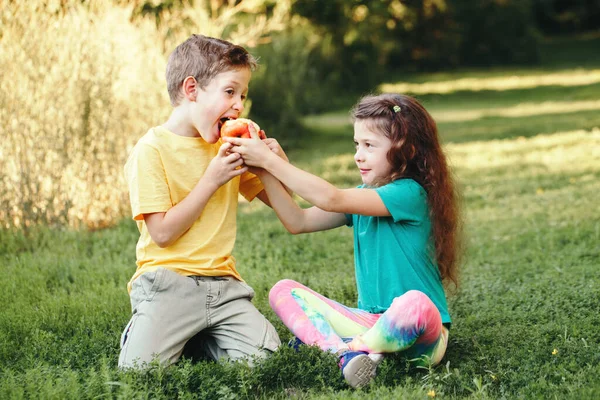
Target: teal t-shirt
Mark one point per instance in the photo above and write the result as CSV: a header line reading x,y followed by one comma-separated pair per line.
x,y
395,254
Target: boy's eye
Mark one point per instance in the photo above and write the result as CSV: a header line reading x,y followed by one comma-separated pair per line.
x,y
230,91
244,97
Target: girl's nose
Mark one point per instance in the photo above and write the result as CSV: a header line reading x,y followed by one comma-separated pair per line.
x,y
358,156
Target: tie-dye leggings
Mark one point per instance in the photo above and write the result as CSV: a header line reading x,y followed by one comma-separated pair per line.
x,y
412,323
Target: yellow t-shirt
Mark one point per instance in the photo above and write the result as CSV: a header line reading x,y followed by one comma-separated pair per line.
x,y
162,169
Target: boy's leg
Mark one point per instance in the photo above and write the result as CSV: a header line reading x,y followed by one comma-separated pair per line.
x,y
411,323
236,329
165,317
315,319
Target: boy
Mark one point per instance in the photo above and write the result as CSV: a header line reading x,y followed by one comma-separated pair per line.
x,y
184,188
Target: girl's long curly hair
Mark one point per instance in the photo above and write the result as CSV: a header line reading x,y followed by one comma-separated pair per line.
x,y
416,153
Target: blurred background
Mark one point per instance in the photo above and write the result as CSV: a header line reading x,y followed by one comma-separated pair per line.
x,y
83,80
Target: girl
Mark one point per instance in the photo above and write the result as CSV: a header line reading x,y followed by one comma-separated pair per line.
x,y
405,221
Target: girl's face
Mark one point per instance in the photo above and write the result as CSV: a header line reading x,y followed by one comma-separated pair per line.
x,y
371,153
223,97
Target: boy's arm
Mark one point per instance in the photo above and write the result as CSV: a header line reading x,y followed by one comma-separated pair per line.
x,y
295,219
166,227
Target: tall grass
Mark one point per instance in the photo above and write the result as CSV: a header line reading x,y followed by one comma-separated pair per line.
x,y
77,88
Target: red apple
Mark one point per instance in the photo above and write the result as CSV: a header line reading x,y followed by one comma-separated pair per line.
x,y
239,128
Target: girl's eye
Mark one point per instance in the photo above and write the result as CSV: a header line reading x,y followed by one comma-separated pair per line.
x,y
368,144
230,92
244,97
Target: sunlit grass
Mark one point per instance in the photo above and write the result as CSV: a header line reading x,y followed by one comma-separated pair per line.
x,y
574,77
563,152
518,110
498,128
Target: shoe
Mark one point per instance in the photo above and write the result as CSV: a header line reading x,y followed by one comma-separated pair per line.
x,y
376,357
357,368
295,343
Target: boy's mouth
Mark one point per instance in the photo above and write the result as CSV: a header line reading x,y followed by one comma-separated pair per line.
x,y
222,121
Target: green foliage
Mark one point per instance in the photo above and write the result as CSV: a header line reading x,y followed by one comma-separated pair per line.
x,y
496,32
295,78
567,16
422,34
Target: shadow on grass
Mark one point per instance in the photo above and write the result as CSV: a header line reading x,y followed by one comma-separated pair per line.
x,y
490,99
498,128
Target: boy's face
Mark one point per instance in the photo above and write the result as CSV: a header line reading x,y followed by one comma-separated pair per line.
x,y
222,98
371,153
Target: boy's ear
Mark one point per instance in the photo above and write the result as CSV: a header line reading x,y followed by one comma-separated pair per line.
x,y
190,88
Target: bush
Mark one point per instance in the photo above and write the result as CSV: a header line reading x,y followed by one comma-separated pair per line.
x,y
294,79
422,34
496,32
567,16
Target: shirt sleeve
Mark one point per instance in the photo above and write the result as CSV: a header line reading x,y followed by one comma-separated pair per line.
x,y
147,182
405,199
250,186
349,220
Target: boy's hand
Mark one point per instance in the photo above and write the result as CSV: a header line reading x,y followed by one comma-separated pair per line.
x,y
225,166
254,151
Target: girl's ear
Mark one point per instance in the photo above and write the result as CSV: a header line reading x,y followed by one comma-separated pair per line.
x,y
190,88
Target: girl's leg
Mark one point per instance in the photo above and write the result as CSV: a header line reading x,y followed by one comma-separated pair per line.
x,y
315,319
411,323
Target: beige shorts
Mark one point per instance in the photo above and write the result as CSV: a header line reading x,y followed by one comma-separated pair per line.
x,y
169,309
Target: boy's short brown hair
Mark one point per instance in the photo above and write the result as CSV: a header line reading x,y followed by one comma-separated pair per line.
x,y
203,58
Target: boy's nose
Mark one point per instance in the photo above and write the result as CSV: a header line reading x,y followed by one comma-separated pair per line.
x,y
238,105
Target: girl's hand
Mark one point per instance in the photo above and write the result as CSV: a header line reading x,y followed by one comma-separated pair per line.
x,y
275,147
225,165
254,151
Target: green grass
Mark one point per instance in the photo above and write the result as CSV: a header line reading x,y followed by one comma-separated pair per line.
x,y
530,281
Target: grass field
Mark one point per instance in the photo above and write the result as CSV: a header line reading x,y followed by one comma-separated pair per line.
x,y
526,154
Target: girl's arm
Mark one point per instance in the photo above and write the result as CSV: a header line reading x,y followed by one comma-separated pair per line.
x,y
313,189
295,219
276,148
